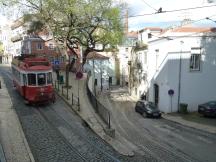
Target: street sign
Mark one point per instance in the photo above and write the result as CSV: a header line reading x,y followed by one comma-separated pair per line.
x,y
171,92
56,62
79,75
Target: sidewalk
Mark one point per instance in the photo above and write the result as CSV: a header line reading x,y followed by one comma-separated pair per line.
x,y
13,144
180,120
171,117
87,113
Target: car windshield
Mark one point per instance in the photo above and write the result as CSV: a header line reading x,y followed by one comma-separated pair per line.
x,y
151,105
212,104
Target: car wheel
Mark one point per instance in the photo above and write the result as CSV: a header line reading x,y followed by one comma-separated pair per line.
x,y
144,114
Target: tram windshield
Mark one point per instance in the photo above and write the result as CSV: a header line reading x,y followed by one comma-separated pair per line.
x,y
41,78
31,79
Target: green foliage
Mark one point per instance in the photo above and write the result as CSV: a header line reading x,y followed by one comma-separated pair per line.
x,y
140,46
73,22
1,48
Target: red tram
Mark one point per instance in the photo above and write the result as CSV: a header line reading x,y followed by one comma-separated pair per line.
x,y
32,77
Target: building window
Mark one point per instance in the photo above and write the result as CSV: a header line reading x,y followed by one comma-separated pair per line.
x,y
51,59
149,35
39,46
51,46
195,59
62,59
126,49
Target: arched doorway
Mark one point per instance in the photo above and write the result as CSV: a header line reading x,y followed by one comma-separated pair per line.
x,y
156,94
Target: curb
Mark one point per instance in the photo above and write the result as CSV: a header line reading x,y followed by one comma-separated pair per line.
x,y
206,129
29,153
25,141
2,156
106,138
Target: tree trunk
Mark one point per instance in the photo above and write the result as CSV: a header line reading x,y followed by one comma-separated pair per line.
x,y
85,54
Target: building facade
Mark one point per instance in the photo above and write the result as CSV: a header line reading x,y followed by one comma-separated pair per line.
x,y
182,60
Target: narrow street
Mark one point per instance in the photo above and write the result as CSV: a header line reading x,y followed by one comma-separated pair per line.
x,y
160,138
55,133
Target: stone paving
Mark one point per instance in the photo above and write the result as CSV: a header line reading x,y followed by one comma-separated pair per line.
x,y
180,120
87,113
12,138
104,97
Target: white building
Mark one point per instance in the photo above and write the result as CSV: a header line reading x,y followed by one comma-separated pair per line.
x,y
182,60
138,83
5,38
19,31
101,68
124,55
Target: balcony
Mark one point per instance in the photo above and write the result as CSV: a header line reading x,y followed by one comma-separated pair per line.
x,y
16,38
140,46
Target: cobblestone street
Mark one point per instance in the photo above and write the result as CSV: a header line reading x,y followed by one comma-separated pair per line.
x,y
54,132
160,138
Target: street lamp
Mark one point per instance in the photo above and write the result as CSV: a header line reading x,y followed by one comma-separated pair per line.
x,y
157,50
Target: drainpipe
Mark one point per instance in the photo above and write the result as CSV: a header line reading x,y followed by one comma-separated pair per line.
x,y
179,81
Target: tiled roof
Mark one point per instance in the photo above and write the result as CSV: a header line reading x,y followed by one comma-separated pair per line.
x,y
194,29
95,55
132,34
17,23
152,29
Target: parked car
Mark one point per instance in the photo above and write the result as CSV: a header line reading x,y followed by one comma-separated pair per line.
x,y
147,109
208,109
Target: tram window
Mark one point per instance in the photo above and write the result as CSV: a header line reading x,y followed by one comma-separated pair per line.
x,y
41,79
31,79
49,78
24,79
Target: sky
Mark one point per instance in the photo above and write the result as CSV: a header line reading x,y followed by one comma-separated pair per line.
x,y
142,7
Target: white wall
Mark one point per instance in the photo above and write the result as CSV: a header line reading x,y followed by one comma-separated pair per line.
x,y
196,87
102,69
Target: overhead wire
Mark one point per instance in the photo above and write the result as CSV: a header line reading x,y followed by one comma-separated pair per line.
x,y
169,11
187,35
149,5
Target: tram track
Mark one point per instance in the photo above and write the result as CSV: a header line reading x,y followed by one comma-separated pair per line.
x,y
94,153
59,133
47,140
84,151
150,143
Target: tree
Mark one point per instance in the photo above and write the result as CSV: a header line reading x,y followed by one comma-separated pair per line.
x,y
76,22
1,48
